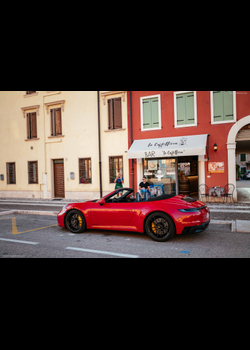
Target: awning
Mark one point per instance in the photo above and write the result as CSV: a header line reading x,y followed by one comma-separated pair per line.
x,y
169,147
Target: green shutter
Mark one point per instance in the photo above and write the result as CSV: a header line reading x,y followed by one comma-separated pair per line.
x,y
155,112
190,108
147,122
223,106
181,109
185,109
151,113
228,105
218,106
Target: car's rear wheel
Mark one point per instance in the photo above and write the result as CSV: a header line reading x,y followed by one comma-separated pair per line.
x,y
75,221
160,227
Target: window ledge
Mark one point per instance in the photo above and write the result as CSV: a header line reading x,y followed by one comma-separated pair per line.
x,y
35,139
122,129
56,137
30,95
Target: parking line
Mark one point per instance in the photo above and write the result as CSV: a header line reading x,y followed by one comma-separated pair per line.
x,y
103,252
16,241
36,229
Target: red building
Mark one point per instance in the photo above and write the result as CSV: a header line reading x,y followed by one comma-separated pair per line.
x,y
173,137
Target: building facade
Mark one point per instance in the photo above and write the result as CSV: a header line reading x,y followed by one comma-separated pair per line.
x,y
62,144
182,139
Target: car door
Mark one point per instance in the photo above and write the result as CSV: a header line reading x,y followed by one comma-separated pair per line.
x,y
112,214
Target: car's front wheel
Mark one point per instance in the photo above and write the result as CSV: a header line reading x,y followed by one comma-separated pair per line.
x,y
75,221
160,227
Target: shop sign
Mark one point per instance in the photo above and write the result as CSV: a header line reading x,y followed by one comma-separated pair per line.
x,y
216,167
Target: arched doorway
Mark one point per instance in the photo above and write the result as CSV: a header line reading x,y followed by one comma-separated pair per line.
x,y
231,148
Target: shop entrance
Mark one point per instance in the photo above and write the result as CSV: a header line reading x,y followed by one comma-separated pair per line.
x,y
161,175
188,176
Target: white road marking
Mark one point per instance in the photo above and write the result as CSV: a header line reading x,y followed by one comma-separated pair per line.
x,y
17,241
103,252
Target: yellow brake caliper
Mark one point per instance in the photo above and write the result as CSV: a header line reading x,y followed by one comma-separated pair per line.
x,y
153,228
80,220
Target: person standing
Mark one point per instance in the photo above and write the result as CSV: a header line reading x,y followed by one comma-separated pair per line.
x,y
119,182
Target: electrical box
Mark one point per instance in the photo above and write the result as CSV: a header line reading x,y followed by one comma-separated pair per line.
x,y
72,176
2,177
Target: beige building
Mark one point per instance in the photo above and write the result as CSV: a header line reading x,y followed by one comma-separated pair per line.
x,y
50,143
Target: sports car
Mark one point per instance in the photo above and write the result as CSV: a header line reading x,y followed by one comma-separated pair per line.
x,y
159,217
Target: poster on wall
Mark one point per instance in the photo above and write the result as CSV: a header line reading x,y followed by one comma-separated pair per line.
x,y
216,167
152,165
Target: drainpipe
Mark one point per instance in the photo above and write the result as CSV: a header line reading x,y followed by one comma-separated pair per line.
x,y
131,136
99,141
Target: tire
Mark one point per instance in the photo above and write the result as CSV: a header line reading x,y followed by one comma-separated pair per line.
x,y
75,221
160,227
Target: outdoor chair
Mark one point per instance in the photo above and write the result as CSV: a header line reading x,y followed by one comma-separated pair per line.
x,y
228,193
203,192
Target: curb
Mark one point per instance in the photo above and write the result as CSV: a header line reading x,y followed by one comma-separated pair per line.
x,y
31,212
242,226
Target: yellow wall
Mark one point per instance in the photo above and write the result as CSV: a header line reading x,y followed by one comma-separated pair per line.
x,y
115,142
80,130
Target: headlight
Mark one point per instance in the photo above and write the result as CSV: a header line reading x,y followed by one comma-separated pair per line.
x,y
64,209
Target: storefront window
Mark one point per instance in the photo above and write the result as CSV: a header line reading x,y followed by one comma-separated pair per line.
x,y
161,175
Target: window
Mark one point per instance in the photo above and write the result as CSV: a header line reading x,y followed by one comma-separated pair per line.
x,y
150,112
185,108
243,157
115,167
223,106
31,126
115,113
56,122
85,174
33,172
11,173
30,93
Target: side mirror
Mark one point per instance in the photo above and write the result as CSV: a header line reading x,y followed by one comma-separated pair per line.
x,y
102,201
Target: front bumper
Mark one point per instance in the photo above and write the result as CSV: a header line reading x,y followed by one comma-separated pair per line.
x,y
196,229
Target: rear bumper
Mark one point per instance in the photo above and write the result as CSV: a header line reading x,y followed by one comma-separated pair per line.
x,y
196,229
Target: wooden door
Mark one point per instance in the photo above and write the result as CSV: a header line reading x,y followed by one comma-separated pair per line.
x,y
59,178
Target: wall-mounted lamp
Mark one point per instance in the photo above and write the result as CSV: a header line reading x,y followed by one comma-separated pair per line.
x,y
215,147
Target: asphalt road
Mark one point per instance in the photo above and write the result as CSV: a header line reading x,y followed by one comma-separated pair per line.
x,y
36,236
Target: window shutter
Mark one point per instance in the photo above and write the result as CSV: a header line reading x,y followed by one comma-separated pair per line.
x,y
110,114
181,109
155,112
33,125
117,113
52,122
147,121
189,108
28,126
218,106
58,121
228,105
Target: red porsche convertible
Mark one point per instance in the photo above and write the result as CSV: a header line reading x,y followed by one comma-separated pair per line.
x,y
160,218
